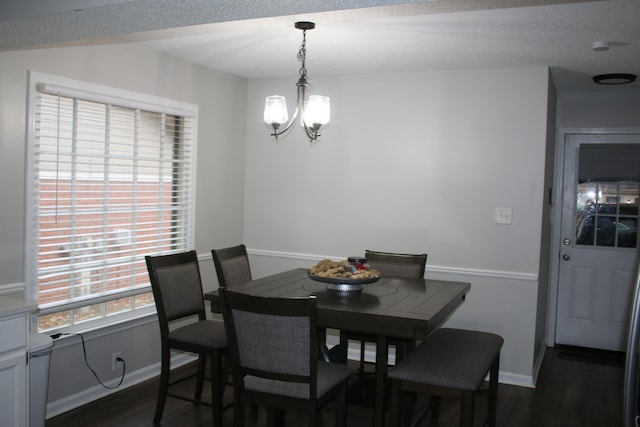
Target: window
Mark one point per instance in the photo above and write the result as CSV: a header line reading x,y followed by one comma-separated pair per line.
x,y
110,180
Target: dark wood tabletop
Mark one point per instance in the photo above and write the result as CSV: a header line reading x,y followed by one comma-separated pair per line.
x,y
392,307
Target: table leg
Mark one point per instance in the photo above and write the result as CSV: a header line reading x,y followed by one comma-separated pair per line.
x,y
382,351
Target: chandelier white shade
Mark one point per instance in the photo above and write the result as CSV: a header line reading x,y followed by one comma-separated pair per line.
x,y
316,111
313,112
275,110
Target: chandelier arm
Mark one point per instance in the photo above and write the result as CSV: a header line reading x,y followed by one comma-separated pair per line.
x,y
312,133
302,84
294,116
309,130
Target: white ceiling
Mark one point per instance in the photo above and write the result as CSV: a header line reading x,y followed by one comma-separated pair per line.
x,y
255,39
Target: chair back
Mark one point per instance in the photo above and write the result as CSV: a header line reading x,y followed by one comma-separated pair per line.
x,y
177,286
273,343
396,264
232,265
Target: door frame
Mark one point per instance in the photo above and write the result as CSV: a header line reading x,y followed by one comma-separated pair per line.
x,y
556,217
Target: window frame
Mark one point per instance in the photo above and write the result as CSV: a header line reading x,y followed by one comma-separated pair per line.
x,y
39,82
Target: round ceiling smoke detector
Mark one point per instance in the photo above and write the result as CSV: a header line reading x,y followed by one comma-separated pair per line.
x,y
614,79
600,46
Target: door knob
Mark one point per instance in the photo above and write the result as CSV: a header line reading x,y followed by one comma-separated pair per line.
x,y
566,257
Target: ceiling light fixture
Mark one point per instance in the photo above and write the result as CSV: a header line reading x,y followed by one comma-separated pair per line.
x,y
314,112
600,46
614,79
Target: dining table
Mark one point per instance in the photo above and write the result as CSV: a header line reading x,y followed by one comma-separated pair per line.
x,y
389,308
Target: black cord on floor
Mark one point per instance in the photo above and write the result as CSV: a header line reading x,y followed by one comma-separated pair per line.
x,y
86,361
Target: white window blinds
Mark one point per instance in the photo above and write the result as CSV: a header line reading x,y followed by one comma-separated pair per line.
x,y
112,180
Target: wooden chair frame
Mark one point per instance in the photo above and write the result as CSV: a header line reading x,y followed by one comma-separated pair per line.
x,y
174,339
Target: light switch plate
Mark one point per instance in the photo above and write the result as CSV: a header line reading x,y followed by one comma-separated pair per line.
x,y
503,216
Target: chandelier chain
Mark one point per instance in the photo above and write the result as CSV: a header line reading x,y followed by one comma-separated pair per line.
x,y
302,54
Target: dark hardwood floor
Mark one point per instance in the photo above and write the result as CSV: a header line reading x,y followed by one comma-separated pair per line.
x,y
572,391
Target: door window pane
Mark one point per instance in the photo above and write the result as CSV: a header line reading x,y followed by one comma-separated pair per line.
x,y
605,231
607,199
627,232
629,196
586,209
607,214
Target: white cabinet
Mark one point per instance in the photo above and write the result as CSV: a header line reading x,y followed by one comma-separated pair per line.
x,y
13,390
14,323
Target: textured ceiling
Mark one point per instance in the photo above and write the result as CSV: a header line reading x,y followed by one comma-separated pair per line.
x,y
256,39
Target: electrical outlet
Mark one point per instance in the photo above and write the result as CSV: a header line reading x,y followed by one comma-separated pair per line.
x,y
116,365
503,216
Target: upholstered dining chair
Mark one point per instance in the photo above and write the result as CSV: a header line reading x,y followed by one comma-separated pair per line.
x,y
392,265
274,351
450,362
177,290
232,265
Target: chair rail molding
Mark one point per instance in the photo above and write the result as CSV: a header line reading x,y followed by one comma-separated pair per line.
x,y
12,288
445,270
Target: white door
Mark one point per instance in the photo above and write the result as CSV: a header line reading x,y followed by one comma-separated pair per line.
x,y
599,248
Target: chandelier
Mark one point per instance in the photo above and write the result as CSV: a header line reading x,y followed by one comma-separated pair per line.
x,y
313,112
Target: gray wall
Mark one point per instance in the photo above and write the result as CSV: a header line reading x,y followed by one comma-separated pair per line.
x,y
610,107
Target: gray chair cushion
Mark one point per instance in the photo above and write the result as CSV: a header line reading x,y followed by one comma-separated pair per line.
x,y
206,333
329,375
389,269
452,358
273,343
181,290
236,270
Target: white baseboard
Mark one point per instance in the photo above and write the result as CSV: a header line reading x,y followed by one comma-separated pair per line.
x,y
516,379
537,364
